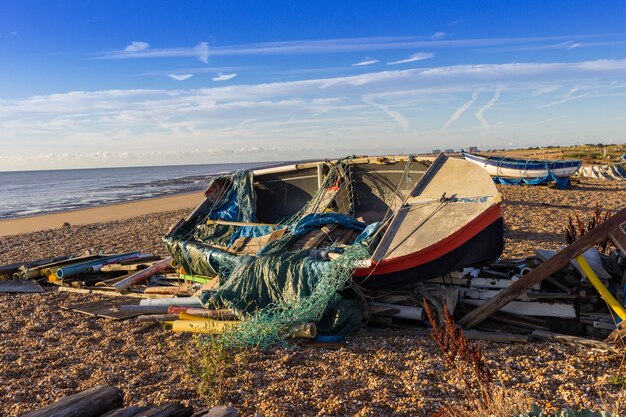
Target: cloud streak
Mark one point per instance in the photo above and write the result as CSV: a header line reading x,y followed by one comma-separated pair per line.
x,y
395,115
565,100
481,112
180,77
319,46
143,50
459,112
366,61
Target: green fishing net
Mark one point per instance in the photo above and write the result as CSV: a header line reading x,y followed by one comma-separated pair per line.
x,y
278,288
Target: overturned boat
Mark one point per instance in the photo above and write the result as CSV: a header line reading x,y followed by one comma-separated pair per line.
x,y
530,171
416,218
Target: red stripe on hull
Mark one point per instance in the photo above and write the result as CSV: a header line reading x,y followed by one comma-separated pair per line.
x,y
435,250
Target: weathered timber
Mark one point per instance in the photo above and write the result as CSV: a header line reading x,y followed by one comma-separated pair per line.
x,y
495,337
92,402
20,285
544,270
219,411
167,410
126,412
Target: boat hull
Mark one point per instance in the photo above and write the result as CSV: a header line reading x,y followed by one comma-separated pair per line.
x,y
477,244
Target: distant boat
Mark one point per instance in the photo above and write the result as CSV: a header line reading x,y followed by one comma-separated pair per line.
x,y
504,167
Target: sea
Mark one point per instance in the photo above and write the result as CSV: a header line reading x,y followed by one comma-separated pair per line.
x,y
29,193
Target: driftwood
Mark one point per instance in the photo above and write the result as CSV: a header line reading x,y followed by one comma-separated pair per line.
x,y
88,403
544,270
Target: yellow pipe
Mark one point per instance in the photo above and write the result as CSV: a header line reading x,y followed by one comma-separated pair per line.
x,y
202,326
597,284
304,331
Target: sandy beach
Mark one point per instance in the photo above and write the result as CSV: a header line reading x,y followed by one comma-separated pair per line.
x,y
100,214
47,353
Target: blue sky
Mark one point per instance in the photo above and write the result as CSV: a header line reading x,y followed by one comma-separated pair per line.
x,y
123,83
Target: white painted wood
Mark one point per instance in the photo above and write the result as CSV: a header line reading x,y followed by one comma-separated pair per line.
x,y
535,309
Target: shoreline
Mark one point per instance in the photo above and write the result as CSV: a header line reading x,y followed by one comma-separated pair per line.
x,y
100,214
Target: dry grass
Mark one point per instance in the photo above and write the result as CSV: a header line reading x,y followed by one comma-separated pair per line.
x,y
481,396
501,402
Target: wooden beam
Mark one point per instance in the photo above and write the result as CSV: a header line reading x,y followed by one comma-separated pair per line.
x,y
544,270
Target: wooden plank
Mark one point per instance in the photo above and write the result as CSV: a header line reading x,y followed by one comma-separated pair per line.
x,y
232,223
580,342
20,286
325,202
108,308
314,237
495,337
544,270
88,403
110,292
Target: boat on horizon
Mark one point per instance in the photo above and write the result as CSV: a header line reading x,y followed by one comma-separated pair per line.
x,y
507,167
418,218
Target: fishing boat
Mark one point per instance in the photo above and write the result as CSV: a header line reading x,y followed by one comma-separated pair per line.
x,y
504,167
418,218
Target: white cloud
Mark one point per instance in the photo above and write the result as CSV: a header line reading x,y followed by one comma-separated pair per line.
x,y
137,46
438,35
459,112
419,56
202,52
366,61
575,45
224,77
180,77
355,111
481,112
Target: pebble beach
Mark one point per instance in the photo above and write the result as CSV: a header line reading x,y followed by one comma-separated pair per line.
x,y
47,353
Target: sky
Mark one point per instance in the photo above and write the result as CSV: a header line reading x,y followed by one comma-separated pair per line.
x,y
134,83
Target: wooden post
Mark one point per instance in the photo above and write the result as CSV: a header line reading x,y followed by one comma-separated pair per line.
x,y
544,270
92,402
